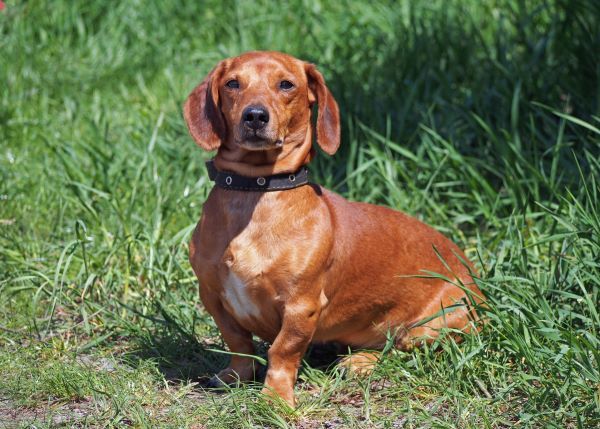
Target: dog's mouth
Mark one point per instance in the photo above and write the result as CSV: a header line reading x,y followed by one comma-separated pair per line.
x,y
259,140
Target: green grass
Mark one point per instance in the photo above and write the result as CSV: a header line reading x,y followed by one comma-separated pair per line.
x,y
480,118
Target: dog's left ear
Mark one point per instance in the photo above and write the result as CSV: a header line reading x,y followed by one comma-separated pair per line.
x,y
203,114
328,118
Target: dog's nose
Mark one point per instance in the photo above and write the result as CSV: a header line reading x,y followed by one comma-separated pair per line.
x,y
255,117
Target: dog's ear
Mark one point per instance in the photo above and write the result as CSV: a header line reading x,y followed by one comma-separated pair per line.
x,y
203,114
328,118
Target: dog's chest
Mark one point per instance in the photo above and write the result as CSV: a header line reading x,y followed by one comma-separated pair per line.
x,y
251,249
236,295
247,271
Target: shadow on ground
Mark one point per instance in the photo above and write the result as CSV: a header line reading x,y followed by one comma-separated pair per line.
x,y
181,357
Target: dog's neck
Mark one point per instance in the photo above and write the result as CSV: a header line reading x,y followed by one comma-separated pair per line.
x,y
295,152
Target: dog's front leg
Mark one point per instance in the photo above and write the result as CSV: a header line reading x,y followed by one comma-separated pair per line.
x,y
238,339
299,323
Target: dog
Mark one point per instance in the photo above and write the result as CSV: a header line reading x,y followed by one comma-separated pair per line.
x,y
290,261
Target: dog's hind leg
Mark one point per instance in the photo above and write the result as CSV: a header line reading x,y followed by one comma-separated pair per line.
x,y
360,363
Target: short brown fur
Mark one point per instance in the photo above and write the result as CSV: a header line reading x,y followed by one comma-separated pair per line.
x,y
305,265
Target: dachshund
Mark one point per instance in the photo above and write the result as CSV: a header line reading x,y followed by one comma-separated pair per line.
x,y
290,261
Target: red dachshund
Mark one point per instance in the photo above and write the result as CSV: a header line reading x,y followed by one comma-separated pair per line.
x,y
290,261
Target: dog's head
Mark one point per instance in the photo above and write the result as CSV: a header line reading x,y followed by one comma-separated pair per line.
x,y
262,101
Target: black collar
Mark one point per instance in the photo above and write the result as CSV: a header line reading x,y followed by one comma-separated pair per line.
x,y
276,182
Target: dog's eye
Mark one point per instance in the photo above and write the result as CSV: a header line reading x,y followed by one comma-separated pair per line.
x,y
232,84
286,84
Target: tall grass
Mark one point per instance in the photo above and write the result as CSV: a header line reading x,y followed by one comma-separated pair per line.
x,y
480,118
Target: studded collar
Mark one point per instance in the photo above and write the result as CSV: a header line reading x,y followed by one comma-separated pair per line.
x,y
275,182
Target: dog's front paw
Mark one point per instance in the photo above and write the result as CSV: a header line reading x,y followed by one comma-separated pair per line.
x,y
279,385
278,395
227,377
215,382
